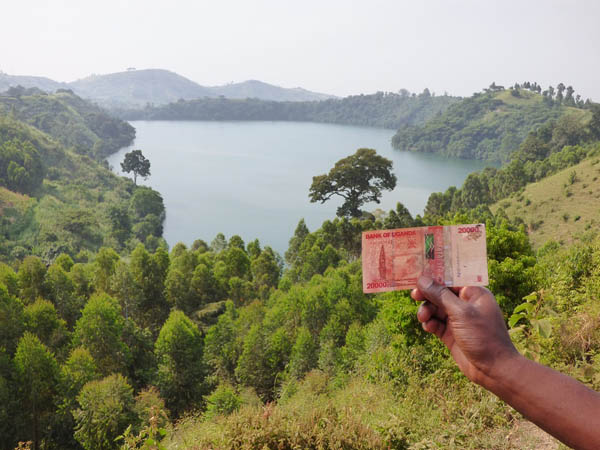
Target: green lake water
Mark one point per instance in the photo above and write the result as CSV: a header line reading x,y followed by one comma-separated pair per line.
x,y
252,178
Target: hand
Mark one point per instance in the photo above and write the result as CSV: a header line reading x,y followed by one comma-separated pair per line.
x,y
470,325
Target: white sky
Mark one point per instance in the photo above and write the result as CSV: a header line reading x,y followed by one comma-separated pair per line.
x,y
339,47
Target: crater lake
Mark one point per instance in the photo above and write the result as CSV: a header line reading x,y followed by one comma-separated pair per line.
x,y
252,178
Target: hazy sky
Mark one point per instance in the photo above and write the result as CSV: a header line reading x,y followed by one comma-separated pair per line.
x,y
339,47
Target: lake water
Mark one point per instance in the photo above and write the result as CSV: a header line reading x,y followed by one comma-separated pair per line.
x,y
252,178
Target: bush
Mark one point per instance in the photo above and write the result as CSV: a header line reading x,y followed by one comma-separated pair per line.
x,y
223,401
106,409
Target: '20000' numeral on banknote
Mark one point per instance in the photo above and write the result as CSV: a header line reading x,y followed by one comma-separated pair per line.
x,y
454,255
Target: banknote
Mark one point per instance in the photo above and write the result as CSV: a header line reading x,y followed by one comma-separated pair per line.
x,y
454,255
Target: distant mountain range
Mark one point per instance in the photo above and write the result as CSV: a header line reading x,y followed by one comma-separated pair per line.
x,y
138,88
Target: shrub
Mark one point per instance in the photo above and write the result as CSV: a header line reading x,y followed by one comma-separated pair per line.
x,y
223,401
106,409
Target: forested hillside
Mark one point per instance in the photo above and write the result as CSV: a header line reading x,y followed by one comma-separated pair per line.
x,y
70,120
545,151
492,124
55,199
387,110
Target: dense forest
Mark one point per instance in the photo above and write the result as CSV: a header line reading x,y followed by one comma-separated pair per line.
x,y
383,109
491,124
108,339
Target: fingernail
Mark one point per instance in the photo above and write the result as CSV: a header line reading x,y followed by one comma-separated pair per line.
x,y
425,281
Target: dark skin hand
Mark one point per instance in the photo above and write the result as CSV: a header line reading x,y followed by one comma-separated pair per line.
x,y
469,322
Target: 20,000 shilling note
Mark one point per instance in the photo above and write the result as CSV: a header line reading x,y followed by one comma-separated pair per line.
x,y
454,255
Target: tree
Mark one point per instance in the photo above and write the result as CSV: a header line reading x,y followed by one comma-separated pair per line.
x,y
559,94
78,370
221,351
137,163
42,320
100,330
12,322
146,201
149,272
252,367
400,218
9,278
37,372
594,123
181,369
296,241
358,178
31,278
61,290
104,269
304,353
107,408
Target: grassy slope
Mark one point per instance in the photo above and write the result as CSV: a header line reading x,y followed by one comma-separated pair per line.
x,y
551,206
367,415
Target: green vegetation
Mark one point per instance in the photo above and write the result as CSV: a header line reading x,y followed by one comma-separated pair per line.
x,y
294,358
491,125
545,151
70,120
358,179
387,110
548,217
55,199
137,163
112,341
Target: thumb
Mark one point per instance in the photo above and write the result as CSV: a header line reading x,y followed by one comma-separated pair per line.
x,y
439,295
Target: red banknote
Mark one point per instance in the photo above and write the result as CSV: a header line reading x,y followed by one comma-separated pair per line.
x,y
454,255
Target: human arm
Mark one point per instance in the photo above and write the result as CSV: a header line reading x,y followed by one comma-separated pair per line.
x,y
470,323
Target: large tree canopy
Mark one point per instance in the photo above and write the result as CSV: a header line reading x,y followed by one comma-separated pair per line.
x,y
358,178
137,163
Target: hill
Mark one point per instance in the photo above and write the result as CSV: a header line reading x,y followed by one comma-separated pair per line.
x,y
488,126
69,119
265,91
560,207
136,88
56,200
43,83
383,109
